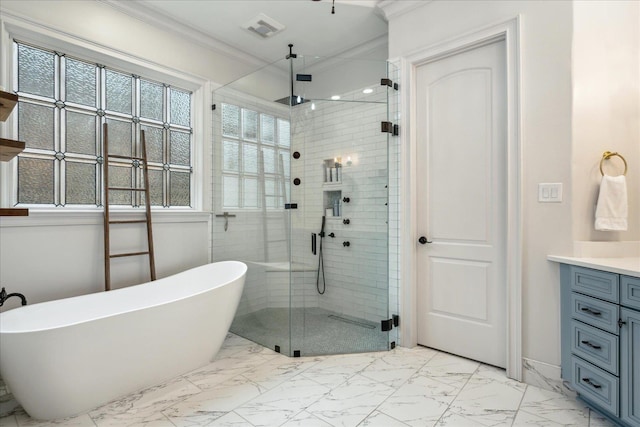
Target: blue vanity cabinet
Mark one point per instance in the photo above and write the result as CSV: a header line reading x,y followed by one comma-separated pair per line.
x,y
630,350
600,321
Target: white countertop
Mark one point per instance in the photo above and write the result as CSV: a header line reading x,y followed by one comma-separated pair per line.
x,y
629,266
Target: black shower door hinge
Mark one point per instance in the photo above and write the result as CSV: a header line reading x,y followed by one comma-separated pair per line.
x,y
291,206
388,82
388,127
386,325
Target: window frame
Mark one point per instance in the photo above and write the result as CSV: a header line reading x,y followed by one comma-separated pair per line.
x,y
13,28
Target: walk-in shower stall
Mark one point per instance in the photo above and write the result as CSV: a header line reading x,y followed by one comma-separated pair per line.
x,y
305,189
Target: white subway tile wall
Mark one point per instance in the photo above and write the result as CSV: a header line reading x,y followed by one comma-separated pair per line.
x,y
362,278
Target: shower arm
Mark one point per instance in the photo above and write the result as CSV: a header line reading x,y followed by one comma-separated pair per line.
x,y
226,217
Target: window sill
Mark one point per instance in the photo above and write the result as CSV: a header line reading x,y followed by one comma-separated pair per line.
x,y
57,217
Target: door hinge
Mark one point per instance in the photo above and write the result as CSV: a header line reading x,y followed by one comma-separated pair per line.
x,y
213,107
388,127
386,325
388,82
291,206
396,320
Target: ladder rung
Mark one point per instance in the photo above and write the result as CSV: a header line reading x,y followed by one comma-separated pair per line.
x,y
128,254
127,221
127,189
115,156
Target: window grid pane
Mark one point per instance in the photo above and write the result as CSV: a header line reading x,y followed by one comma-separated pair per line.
x,y
244,175
73,160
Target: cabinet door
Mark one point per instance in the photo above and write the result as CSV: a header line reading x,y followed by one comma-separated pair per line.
x,y
630,366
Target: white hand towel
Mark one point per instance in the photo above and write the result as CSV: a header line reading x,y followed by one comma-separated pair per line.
x,y
611,210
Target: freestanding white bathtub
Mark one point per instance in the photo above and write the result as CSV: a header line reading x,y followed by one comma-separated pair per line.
x,y
65,357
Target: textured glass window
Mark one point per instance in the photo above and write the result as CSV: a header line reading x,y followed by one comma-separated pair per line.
x,y
151,100
36,125
231,156
180,188
250,193
81,133
155,187
180,148
250,160
120,176
63,104
249,125
36,71
230,120
120,137
180,108
269,160
153,139
267,129
35,181
119,90
80,82
284,133
230,192
270,192
80,183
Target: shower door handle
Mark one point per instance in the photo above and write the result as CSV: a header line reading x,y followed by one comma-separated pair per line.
x,y
423,240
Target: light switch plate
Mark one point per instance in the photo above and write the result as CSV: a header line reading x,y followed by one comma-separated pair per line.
x,y
550,192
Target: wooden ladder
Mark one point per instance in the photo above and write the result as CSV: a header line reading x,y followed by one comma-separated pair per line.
x,y
147,205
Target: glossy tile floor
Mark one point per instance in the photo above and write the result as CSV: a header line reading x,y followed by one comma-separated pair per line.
x,y
248,385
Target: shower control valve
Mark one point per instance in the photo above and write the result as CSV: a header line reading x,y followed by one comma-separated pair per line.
x,y
346,221
332,235
346,244
346,199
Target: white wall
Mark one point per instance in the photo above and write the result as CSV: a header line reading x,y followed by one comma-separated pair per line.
x,y
546,34
51,255
606,109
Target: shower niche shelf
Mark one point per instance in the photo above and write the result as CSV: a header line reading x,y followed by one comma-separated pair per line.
x,y
9,148
332,203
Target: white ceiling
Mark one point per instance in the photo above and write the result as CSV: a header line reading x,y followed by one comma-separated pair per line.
x,y
309,25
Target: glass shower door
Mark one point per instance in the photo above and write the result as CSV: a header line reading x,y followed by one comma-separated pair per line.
x,y
339,258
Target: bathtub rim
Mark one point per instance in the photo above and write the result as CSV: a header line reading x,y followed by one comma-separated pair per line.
x,y
6,317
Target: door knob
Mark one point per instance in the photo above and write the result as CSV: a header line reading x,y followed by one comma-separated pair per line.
x,y
424,240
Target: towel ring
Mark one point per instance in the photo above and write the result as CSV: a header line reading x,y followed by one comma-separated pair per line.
x,y
607,155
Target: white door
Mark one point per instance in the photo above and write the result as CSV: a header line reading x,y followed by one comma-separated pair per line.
x,y
462,203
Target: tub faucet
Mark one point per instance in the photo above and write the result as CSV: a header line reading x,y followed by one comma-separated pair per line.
x,y
4,297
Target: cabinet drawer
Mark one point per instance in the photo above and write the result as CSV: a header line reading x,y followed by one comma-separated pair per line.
x,y
595,312
630,292
595,385
595,283
595,346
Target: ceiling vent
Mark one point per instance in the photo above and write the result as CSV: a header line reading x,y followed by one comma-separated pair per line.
x,y
263,26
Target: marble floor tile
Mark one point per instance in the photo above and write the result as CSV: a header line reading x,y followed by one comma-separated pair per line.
x,y
421,401
203,408
145,406
8,421
449,369
246,385
231,419
335,370
351,402
378,419
552,406
23,419
597,420
282,403
305,419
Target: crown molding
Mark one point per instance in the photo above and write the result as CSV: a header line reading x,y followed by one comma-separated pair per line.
x,y
151,16
393,8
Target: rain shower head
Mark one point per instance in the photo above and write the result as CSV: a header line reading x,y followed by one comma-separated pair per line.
x,y
292,100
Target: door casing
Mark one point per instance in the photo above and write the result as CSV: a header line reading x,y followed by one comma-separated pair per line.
x,y
509,31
